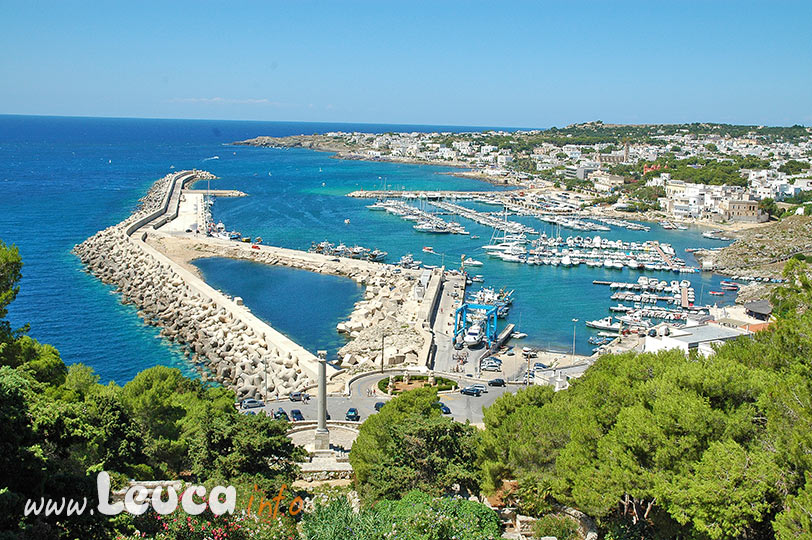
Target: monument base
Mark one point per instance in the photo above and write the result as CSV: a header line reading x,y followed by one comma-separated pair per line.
x,y
322,440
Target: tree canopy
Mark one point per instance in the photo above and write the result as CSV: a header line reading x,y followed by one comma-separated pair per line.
x,y
681,445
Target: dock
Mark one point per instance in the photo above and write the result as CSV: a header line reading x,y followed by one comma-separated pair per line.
x,y
666,258
502,337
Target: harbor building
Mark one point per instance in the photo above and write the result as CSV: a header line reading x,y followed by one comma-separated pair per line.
x,y
700,338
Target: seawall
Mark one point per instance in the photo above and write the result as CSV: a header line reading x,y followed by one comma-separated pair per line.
x,y
236,348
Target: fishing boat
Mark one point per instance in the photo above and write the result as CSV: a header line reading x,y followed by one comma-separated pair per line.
x,y
376,255
407,261
428,249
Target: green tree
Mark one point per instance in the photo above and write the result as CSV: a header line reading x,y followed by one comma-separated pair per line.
x,y
796,294
794,167
795,522
253,447
769,206
410,445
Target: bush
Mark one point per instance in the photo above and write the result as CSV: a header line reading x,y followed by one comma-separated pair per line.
x,y
440,383
562,527
417,516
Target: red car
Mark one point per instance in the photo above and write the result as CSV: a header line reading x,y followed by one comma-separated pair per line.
x,y
254,246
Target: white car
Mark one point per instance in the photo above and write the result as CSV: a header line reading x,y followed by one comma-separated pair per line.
x,y
481,387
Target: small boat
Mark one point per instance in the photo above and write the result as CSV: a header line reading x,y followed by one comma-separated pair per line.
x,y
258,240
473,262
347,221
428,249
474,237
716,293
730,287
604,324
478,279
620,308
518,335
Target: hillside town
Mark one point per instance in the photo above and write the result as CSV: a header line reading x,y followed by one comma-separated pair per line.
x,y
668,168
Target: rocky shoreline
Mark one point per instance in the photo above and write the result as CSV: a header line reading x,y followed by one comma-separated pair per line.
x,y
321,143
761,252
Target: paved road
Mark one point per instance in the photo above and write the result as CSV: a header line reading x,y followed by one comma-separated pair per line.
x,y
462,407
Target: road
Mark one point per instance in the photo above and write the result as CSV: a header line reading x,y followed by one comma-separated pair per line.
x,y
462,407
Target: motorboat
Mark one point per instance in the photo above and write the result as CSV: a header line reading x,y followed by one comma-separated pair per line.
x,y
604,324
474,335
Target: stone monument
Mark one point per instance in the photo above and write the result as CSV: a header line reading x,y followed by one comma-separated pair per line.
x,y
322,441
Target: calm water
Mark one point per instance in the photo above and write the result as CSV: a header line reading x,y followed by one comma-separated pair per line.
x,y
63,179
303,305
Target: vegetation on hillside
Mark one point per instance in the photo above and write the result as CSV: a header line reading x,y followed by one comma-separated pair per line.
x,y
668,445
650,445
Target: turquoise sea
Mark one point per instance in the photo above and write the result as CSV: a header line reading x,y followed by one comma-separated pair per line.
x,y
63,179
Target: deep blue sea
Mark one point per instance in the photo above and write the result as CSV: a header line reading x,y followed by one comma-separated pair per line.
x,y
63,179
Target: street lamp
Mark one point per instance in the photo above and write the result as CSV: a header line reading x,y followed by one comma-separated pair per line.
x,y
383,335
573,338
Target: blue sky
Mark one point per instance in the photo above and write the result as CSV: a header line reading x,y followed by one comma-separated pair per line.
x,y
525,64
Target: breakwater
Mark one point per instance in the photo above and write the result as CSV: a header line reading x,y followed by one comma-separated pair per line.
x,y
391,307
150,268
222,338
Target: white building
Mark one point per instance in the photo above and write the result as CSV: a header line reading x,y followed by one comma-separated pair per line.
x,y
701,338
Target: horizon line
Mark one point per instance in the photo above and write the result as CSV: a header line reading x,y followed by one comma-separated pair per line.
x,y
472,126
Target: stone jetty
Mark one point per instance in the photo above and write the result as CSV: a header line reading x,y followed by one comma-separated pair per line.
x,y
214,333
391,306
150,267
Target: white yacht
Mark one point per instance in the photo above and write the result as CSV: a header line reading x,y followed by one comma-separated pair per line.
x,y
474,335
604,324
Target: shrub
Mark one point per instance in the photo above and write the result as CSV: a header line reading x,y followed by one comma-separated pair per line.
x,y
562,527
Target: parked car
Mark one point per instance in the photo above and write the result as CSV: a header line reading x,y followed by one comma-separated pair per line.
x,y
298,396
496,382
491,367
251,403
379,405
280,414
352,415
471,391
443,408
482,387
297,415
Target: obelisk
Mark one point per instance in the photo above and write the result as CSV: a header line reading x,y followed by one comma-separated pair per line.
x,y
322,441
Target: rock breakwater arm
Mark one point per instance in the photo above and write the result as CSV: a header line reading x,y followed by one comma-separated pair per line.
x,y
233,345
